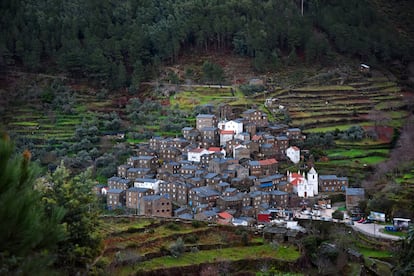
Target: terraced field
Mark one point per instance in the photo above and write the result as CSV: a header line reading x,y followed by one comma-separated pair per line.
x,y
314,108
137,245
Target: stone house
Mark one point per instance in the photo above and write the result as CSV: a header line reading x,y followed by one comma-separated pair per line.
x,y
332,183
243,136
258,198
115,198
169,154
254,168
210,133
234,202
133,173
268,166
295,134
171,167
225,111
155,205
277,129
155,143
116,182
285,186
187,169
281,145
203,195
218,165
212,179
279,198
250,128
122,170
256,117
197,181
353,196
205,120
134,194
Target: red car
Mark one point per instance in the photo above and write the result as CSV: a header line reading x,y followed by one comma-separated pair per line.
x,y
361,220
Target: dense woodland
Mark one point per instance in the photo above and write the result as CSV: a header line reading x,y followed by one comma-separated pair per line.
x,y
122,43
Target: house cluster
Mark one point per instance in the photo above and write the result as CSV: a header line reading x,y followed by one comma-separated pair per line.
x,y
218,168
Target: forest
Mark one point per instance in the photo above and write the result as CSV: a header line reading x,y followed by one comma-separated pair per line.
x,y
119,44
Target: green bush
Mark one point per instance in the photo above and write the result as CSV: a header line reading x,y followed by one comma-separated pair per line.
x,y
191,239
196,224
173,226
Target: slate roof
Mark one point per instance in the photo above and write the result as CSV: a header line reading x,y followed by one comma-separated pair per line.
x,y
205,116
355,192
115,191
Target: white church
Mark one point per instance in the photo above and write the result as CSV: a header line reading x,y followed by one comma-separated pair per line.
x,y
304,186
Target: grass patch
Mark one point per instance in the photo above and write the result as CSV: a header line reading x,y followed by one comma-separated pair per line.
x,y
374,253
332,128
28,124
326,88
359,162
354,153
284,253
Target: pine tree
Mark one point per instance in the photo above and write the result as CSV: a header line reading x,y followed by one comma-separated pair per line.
x,y
28,233
81,220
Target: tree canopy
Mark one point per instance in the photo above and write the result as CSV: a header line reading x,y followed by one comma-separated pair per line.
x,y
120,43
29,233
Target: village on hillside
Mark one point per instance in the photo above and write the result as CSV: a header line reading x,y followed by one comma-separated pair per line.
x,y
225,170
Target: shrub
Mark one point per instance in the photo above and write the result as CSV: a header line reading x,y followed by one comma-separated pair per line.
x,y
338,215
177,248
173,226
196,223
248,89
191,239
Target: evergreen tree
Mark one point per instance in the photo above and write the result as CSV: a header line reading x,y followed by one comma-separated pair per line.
x,y
28,234
81,219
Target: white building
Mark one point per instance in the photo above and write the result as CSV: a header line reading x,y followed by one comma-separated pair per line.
x,y
148,183
305,187
226,135
293,153
235,125
194,155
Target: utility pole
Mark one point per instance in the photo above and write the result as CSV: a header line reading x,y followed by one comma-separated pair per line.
x,y
302,6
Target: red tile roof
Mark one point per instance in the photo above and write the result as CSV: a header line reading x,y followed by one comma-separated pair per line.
x,y
227,132
214,149
296,179
197,150
268,162
225,215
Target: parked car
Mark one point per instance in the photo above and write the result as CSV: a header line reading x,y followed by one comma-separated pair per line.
x,y
391,228
355,218
361,220
367,221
